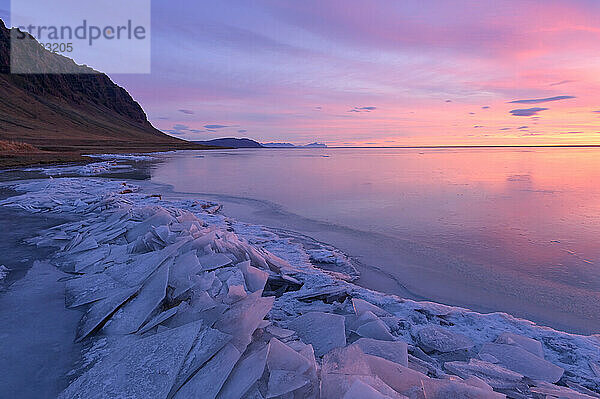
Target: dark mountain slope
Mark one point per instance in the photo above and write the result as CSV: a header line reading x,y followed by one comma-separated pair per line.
x,y
71,110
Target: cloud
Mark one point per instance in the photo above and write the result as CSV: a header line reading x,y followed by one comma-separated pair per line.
x,y
598,112
318,108
178,129
485,107
242,131
363,109
477,126
541,100
523,127
562,82
506,128
186,111
213,127
448,101
527,111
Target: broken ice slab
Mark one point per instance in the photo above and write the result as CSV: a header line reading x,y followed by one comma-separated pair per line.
x,y
110,235
207,381
400,378
396,351
214,261
523,362
325,331
183,272
255,278
194,312
444,389
529,344
243,318
144,265
85,245
282,357
245,374
555,391
161,217
159,318
143,369
361,306
349,360
83,260
279,332
595,367
478,383
234,294
207,343
134,313
335,386
375,329
100,311
282,382
435,338
360,390
494,375
89,288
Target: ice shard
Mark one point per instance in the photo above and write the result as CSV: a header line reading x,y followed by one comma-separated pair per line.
x,y
523,362
134,313
325,331
395,351
207,382
146,368
245,374
435,338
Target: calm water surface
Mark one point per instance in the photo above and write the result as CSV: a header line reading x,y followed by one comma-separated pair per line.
x,y
512,230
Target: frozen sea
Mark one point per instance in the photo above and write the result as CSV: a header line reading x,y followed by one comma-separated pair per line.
x,y
504,229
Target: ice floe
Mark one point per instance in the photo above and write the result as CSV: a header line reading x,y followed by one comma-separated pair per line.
x,y
179,301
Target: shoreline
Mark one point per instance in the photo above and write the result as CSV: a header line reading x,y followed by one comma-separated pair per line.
x,y
404,318
380,275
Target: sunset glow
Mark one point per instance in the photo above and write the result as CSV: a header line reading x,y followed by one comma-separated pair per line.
x,y
377,73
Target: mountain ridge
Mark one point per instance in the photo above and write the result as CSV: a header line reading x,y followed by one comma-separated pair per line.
x,y
79,110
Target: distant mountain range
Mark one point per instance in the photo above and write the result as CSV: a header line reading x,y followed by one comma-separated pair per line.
x,y
290,145
71,111
232,142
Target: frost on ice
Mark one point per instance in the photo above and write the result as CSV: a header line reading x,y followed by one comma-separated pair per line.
x,y
180,302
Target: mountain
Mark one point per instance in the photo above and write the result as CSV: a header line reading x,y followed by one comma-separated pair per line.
x,y
78,110
316,145
232,142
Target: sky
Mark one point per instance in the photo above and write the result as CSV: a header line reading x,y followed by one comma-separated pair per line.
x,y
372,73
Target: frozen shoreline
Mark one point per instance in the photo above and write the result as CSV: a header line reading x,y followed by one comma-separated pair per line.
x,y
95,200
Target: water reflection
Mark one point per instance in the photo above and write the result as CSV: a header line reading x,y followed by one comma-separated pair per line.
x,y
532,214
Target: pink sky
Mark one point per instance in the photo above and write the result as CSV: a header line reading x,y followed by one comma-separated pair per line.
x,y
381,72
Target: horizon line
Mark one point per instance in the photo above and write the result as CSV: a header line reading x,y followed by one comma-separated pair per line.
x,y
453,146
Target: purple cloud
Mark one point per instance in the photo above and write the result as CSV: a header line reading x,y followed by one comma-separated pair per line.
x,y
363,109
541,100
186,111
562,82
213,127
527,111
